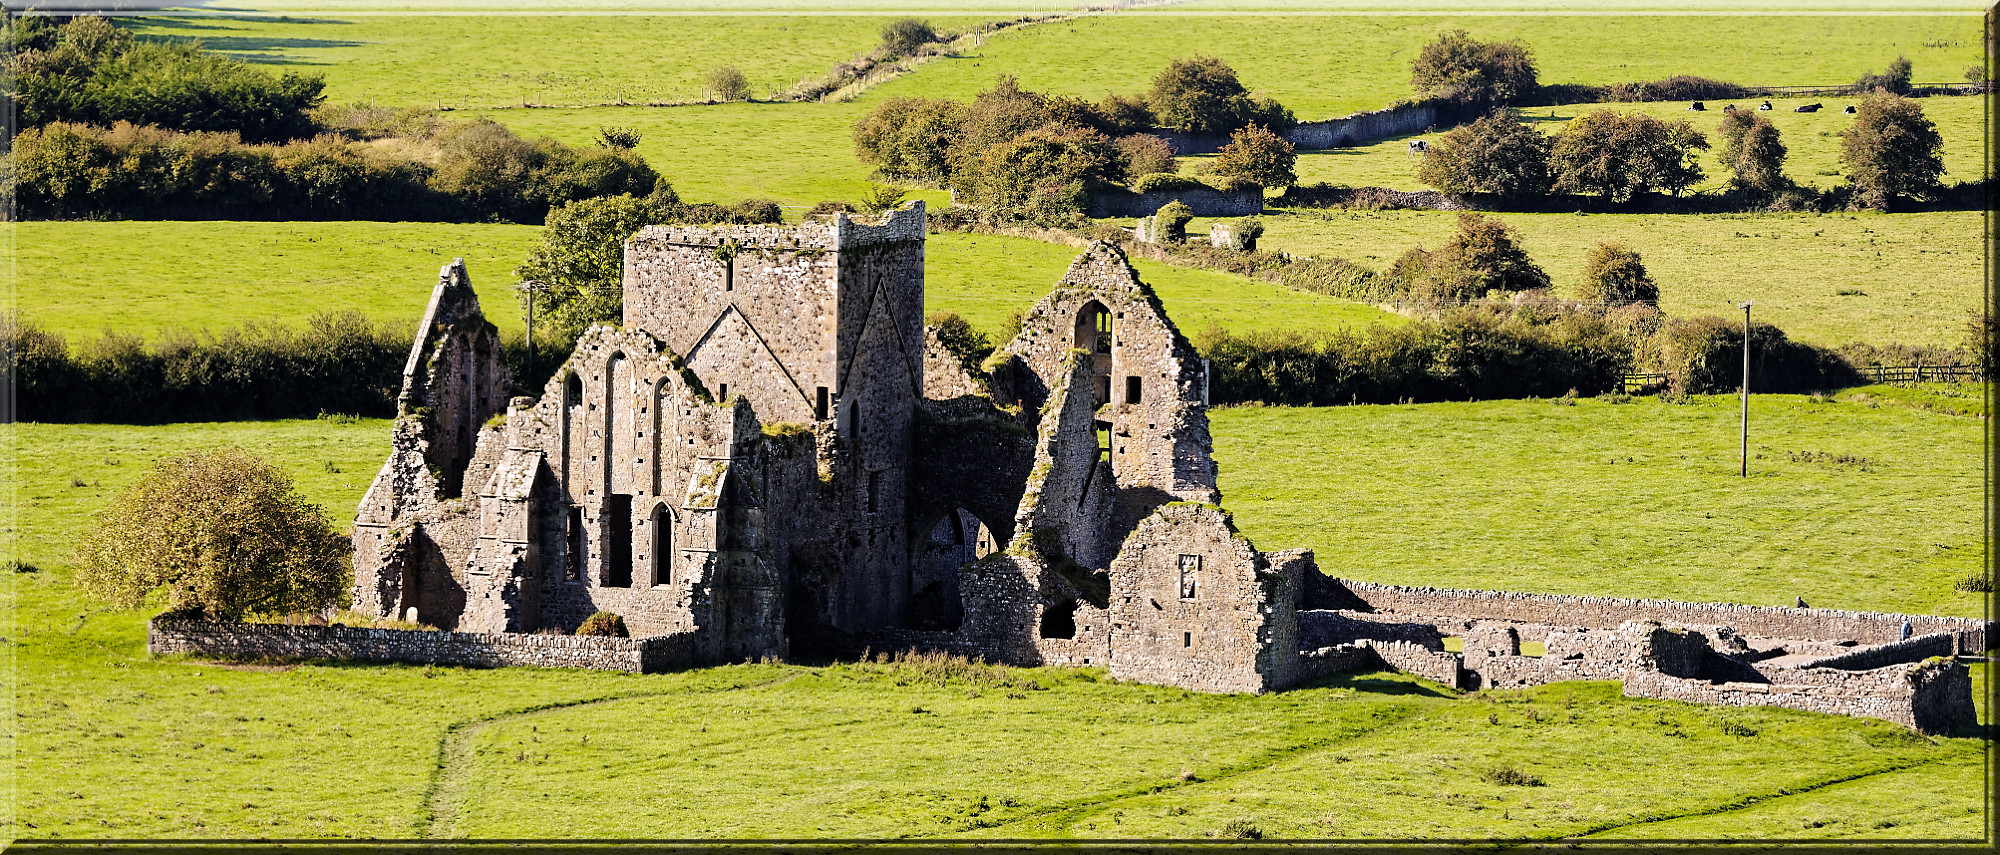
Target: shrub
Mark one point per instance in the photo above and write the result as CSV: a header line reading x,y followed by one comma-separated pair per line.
x,y
904,36
1615,276
1126,113
958,336
1977,583
999,115
1496,154
603,625
829,208
1620,155
1704,355
1170,222
883,197
1458,67
758,212
580,263
1239,829
1508,776
727,83
1678,88
1256,154
223,533
1483,256
1891,151
1040,175
1894,80
911,137
618,137
1202,95
1165,181
1145,156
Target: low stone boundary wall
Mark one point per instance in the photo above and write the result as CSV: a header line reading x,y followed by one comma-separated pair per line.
x,y
1330,629
1610,612
1931,697
1203,201
1436,666
481,650
1353,129
1911,649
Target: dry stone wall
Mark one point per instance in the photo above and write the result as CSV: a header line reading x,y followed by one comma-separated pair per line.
x,y
1202,201
1610,612
480,650
1354,129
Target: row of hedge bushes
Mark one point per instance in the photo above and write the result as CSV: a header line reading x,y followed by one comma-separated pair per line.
x,y
477,170
339,363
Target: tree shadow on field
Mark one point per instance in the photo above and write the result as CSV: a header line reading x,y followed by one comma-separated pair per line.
x,y
1379,683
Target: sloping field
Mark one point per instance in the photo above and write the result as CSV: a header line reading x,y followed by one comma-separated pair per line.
x,y
80,278
1826,279
1850,504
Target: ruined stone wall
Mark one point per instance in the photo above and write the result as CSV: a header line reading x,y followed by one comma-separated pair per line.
x,y
1327,628
1148,382
1194,605
1203,201
1350,130
1067,500
1933,697
1372,655
945,375
479,650
1910,649
1609,612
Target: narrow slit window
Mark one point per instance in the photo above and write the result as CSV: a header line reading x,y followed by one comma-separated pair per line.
x,y
663,545
820,400
725,393
1190,569
618,555
573,561
1187,639
1131,390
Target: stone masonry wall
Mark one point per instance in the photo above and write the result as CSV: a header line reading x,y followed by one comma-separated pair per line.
x,y
1911,649
481,650
1194,605
1354,129
1932,697
1609,612
1203,201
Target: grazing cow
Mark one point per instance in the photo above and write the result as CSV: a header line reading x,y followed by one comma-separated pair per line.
x,y
1764,106
1807,108
1419,146
1729,108
1698,107
1849,109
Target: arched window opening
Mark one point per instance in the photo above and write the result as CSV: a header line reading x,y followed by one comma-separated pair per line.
x,y
1094,336
572,415
663,545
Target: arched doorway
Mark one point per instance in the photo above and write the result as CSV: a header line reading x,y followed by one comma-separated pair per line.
x,y
957,538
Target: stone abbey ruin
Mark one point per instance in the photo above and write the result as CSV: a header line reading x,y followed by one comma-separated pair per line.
x,y
773,457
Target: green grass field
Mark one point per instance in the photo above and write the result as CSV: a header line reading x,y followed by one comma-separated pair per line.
x,y
79,278
1632,499
1812,142
269,752
1919,275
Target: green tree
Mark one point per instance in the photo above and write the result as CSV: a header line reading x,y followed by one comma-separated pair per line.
x,y
1457,66
1621,155
223,533
1615,276
1040,175
911,138
1496,154
1752,152
904,36
1894,80
1202,96
580,263
1891,151
1170,222
1146,154
1255,153
1483,256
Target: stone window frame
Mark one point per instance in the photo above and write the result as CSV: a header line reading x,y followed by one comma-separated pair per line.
x,y
1190,566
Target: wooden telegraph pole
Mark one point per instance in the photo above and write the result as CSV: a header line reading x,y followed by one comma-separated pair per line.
x,y
1744,470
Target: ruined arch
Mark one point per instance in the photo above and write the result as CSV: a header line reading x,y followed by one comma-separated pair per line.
x,y
1095,335
1059,620
661,549
572,413
950,541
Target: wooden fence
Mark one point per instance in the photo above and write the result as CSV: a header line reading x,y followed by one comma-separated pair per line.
x,y
1646,381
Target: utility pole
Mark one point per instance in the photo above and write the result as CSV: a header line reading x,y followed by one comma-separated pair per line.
x,y
531,287
1744,470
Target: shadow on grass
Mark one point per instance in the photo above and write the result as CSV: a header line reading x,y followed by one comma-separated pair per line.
x,y
1380,683
238,44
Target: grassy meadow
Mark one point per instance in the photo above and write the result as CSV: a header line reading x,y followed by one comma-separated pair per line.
x,y
80,278
129,746
1812,142
1864,501
1827,279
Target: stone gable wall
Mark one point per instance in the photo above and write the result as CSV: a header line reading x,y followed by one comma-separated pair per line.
x,y
1235,631
480,650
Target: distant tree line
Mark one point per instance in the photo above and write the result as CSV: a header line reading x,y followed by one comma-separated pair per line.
x,y
112,126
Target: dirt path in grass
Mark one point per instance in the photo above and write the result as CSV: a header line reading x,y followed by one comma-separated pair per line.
x,y
442,793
